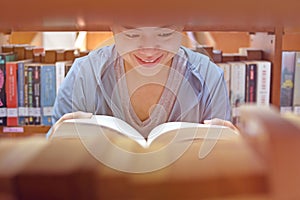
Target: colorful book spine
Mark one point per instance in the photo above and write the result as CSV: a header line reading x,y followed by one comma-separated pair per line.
x,y
2,91
30,94
48,92
263,83
26,98
250,85
237,88
21,104
287,81
11,93
36,96
296,99
4,58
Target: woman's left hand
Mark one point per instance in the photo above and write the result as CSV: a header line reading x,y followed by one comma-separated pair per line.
x,y
217,121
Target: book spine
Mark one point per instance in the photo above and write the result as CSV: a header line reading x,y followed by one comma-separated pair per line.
x,y
250,85
67,68
287,81
30,95
36,96
2,91
237,88
48,93
11,93
21,105
60,74
263,83
26,104
296,98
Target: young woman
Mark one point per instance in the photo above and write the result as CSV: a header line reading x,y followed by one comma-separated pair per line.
x,y
146,78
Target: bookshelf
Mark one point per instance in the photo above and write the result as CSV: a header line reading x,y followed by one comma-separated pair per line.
x,y
270,23
267,20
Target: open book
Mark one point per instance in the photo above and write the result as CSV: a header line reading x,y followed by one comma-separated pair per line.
x,y
164,133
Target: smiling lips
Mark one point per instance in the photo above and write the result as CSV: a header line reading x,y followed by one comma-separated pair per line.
x,y
149,62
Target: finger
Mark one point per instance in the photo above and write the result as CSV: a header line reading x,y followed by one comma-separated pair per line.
x,y
217,121
74,115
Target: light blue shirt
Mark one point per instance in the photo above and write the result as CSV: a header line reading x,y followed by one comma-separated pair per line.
x,y
90,86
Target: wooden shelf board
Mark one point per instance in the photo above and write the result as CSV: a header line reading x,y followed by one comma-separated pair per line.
x,y
27,130
96,15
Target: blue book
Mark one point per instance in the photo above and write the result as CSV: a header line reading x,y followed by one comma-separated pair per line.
x,y
21,104
48,92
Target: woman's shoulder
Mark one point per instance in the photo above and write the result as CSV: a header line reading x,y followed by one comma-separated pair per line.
x,y
199,62
95,59
100,54
195,55
94,62
106,51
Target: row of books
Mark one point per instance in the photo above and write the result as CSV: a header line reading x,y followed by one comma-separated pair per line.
x,y
247,82
290,82
40,55
31,83
217,56
28,90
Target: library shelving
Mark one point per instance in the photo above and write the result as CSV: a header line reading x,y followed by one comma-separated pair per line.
x,y
265,20
231,171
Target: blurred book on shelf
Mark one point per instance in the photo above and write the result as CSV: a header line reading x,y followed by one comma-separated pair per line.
x,y
276,139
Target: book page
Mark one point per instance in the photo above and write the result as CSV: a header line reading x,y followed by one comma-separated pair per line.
x,y
96,125
182,131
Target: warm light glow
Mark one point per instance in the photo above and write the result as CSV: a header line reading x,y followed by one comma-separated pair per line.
x,y
80,42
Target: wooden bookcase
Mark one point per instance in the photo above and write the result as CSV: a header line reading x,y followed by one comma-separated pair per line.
x,y
267,20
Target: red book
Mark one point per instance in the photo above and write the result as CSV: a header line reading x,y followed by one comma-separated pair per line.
x,y
11,93
251,77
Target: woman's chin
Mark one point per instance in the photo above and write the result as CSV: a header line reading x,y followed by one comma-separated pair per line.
x,y
150,69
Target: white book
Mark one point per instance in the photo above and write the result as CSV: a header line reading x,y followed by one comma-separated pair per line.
x,y
237,83
296,93
287,81
263,83
60,72
237,88
114,128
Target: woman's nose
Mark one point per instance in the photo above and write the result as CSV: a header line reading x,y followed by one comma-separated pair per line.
x,y
148,41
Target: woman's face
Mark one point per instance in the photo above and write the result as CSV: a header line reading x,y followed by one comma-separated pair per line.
x,y
147,46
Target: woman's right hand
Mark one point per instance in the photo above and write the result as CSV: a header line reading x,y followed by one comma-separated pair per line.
x,y
73,115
